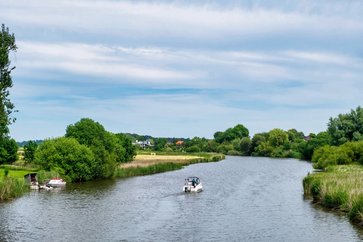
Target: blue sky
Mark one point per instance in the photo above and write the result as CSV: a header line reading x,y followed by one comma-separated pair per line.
x,y
183,68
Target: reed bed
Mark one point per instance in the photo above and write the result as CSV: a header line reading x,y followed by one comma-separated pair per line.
x,y
339,188
11,187
12,182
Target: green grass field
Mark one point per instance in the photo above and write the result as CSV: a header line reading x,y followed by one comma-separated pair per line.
x,y
14,173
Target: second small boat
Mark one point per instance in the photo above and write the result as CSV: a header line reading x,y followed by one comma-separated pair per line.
x,y
56,182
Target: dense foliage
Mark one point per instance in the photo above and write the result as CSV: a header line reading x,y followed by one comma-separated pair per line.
x,y
346,127
29,151
68,157
8,147
237,132
129,150
346,153
7,45
107,148
8,150
86,152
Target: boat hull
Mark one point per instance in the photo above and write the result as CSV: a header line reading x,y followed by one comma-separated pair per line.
x,y
56,183
197,188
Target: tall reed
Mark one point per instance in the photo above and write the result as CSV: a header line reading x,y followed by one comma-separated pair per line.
x,y
12,187
340,188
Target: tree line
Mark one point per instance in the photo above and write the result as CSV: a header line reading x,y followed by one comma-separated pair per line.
x,y
340,143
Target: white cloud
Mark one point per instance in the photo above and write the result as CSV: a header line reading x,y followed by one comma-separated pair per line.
x,y
170,20
95,60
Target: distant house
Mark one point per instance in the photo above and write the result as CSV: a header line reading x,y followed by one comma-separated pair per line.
x,y
143,144
179,143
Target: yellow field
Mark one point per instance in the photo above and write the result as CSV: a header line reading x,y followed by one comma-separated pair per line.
x,y
148,160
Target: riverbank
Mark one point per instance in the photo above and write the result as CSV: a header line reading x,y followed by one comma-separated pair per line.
x,y
339,188
12,182
151,163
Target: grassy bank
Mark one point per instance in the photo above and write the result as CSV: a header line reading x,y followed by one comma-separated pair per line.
x,y
13,184
339,188
151,163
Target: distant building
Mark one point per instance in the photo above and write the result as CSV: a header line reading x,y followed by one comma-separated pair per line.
x,y
179,143
143,144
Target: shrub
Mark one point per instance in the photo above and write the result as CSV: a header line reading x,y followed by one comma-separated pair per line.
x,y
68,157
12,187
234,152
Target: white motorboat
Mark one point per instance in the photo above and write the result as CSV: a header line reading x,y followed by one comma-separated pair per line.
x,y
56,182
192,184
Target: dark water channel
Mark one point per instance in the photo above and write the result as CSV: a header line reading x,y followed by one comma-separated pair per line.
x,y
244,199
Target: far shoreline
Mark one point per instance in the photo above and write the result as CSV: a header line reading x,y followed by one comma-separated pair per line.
x,y
152,163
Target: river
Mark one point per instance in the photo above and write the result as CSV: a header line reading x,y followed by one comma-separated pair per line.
x,y
244,199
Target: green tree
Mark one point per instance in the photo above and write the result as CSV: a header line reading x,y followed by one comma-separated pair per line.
x,y
295,136
7,45
198,144
337,155
346,127
192,149
29,151
211,146
219,137
102,143
277,137
245,145
8,150
129,148
74,160
159,144
314,142
238,131
257,139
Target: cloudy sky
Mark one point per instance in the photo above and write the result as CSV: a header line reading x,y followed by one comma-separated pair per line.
x,y
183,68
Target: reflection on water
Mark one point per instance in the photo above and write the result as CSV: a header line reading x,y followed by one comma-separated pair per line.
x,y
244,199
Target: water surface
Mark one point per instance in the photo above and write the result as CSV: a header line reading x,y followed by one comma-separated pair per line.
x,y
244,199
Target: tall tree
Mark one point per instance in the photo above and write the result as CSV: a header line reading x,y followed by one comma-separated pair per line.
x,y
127,146
346,127
29,151
237,132
8,150
7,45
102,143
67,155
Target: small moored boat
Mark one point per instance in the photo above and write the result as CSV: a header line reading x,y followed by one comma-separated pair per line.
x,y
192,184
56,182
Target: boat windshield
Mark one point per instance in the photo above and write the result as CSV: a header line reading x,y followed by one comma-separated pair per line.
x,y
193,179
